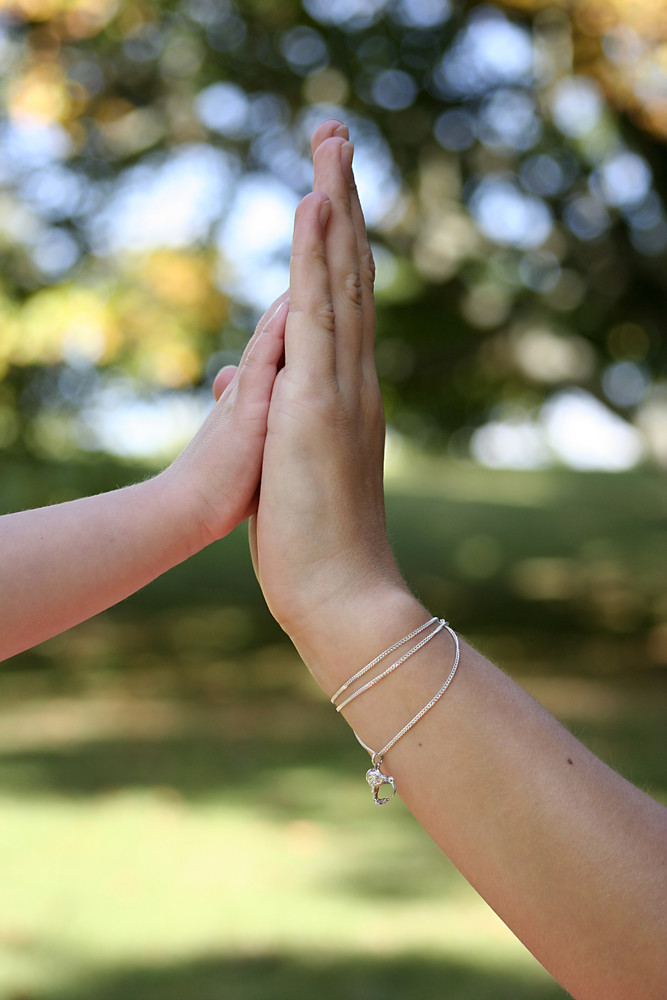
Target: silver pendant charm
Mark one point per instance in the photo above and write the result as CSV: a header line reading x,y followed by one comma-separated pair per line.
x,y
376,779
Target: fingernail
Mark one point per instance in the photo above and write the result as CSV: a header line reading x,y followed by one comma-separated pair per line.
x,y
282,308
346,156
325,212
342,132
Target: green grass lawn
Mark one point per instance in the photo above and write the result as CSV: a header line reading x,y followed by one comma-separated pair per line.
x,y
182,815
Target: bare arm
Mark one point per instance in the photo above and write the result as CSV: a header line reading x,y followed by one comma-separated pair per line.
x,y
59,565
570,855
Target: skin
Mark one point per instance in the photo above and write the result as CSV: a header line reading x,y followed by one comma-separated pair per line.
x,y
569,854
65,563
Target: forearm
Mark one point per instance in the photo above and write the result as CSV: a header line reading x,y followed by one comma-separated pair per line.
x,y
62,564
569,854
565,850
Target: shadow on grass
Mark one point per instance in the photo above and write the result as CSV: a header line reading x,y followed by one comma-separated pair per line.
x,y
304,769
199,762
274,977
289,757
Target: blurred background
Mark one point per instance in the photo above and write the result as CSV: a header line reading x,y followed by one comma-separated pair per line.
x,y
180,815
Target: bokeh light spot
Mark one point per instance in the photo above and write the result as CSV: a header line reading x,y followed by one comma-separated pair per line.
x,y
223,107
509,119
350,14
421,13
624,179
546,175
304,49
576,106
489,52
508,216
587,435
625,383
455,130
586,217
55,253
394,90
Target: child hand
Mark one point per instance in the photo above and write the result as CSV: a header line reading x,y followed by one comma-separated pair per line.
x,y
221,466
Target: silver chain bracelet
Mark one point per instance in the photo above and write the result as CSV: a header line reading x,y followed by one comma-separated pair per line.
x,y
376,778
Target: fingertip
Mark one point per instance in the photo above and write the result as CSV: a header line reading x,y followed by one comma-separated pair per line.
x,y
315,202
328,129
280,315
346,157
269,313
222,380
328,147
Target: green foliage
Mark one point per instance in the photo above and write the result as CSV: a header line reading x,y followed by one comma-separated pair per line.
x,y
516,206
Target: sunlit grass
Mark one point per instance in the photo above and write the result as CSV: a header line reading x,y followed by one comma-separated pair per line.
x,y
148,833
146,878
182,816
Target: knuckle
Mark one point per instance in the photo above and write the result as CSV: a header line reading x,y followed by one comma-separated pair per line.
x,y
367,266
312,254
325,317
321,313
352,287
247,371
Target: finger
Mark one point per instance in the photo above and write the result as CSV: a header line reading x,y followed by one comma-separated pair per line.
x,y
276,309
261,358
366,269
253,378
329,128
224,378
332,176
366,262
251,510
310,350
264,320
271,311
252,541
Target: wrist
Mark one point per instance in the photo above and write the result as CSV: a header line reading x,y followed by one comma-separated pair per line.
x,y
336,643
177,508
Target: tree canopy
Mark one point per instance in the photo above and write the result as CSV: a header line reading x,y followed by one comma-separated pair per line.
x,y
511,161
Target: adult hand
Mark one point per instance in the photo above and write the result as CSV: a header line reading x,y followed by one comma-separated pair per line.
x,y
220,468
319,539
